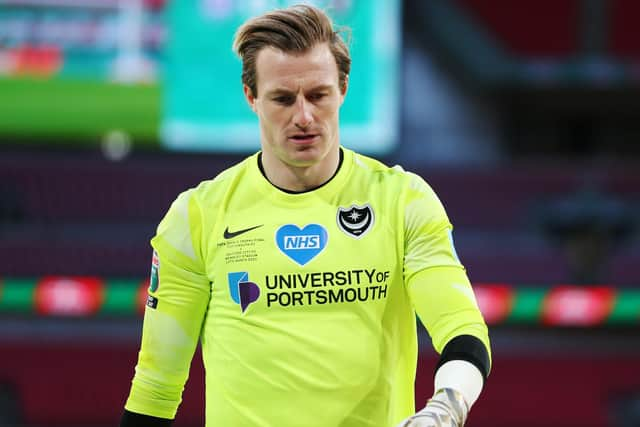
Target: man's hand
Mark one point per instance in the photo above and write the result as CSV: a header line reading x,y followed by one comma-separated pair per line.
x,y
446,408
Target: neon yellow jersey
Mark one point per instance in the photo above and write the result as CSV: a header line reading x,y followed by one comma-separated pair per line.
x,y
304,303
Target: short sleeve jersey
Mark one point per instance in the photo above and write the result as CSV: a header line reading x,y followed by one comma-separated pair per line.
x,y
300,300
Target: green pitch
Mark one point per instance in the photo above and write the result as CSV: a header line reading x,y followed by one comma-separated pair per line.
x,y
77,112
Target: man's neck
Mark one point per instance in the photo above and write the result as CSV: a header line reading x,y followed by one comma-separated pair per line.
x,y
300,179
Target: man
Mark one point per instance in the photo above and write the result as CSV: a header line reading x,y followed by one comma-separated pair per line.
x,y
299,268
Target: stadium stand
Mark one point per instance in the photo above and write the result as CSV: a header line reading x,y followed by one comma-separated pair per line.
x,y
623,40
81,214
517,25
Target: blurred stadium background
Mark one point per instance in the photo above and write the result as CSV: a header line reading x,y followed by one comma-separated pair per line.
x,y
524,116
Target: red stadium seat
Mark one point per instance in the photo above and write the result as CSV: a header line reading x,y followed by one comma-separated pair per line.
x,y
546,28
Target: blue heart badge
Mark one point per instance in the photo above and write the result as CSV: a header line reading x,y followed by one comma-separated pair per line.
x,y
301,244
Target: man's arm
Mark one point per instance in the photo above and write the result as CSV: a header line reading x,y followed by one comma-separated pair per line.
x,y
441,294
178,298
446,306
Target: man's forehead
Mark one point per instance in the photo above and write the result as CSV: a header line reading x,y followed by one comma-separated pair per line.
x,y
290,71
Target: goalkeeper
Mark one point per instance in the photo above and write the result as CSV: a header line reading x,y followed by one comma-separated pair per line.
x,y
301,269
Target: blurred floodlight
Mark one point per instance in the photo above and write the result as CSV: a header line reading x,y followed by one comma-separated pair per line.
x,y
116,145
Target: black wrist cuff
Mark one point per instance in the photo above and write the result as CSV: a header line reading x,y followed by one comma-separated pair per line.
x,y
468,348
131,419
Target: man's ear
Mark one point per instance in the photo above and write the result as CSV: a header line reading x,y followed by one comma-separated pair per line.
x,y
248,95
343,89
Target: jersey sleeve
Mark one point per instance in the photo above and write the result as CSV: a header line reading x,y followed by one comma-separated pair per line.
x,y
437,283
178,299
428,232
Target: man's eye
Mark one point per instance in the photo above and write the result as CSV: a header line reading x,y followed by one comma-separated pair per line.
x,y
283,99
317,96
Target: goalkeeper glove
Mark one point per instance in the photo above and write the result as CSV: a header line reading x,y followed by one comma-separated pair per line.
x,y
447,408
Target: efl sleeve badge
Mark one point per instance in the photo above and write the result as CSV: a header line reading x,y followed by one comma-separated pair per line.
x,y
155,266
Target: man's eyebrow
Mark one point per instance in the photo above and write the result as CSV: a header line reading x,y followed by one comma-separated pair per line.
x,y
285,91
321,87
279,91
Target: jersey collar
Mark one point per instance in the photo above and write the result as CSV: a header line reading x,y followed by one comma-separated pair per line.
x,y
325,191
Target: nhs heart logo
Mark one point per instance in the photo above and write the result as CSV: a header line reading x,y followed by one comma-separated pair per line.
x,y
301,244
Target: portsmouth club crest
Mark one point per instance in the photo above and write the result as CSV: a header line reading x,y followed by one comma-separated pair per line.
x,y
356,220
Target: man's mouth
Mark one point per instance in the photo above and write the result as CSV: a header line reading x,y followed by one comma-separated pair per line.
x,y
303,138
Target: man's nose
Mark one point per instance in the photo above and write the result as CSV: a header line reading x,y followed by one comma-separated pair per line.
x,y
302,116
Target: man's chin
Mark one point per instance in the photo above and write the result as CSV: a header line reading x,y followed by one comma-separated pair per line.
x,y
303,163
306,157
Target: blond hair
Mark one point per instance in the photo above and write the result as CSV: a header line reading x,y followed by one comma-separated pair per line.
x,y
295,29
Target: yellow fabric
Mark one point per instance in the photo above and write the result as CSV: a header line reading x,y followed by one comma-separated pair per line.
x,y
446,305
302,322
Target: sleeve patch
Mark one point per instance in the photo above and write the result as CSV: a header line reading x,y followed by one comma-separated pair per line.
x,y
154,281
152,302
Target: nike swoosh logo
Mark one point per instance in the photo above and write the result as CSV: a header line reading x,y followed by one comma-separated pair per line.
x,y
230,235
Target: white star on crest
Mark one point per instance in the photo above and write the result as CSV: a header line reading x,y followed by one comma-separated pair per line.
x,y
354,215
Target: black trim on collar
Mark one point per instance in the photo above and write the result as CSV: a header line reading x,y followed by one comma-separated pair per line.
x,y
304,191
